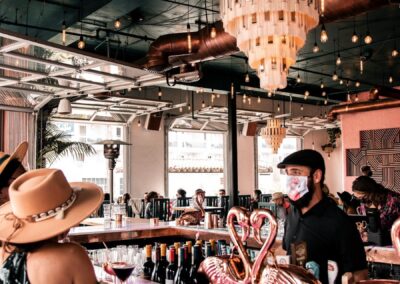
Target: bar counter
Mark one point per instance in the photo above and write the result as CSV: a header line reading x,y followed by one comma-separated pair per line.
x,y
95,231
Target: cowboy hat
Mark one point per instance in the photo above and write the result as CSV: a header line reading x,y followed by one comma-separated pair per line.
x,y
43,205
18,154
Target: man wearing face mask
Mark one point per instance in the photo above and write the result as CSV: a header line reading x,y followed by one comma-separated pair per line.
x,y
327,231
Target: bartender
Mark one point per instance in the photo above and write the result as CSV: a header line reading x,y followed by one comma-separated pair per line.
x,y
329,234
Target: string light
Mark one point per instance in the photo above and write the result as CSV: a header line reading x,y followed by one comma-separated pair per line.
x,y
247,77
81,43
159,93
357,84
323,94
324,34
390,79
189,107
322,84
180,109
249,100
117,24
298,80
395,52
315,48
140,89
278,108
301,107
335,77
338,60
306,94
139,124
258,99
341,82
203,104
269,94
325,101
368,38
361,65
356,98
213,32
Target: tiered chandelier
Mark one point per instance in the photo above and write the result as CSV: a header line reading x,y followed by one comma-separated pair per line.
x,y
274,133
270,32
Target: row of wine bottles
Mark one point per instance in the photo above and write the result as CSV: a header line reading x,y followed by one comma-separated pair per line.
x,y
182,263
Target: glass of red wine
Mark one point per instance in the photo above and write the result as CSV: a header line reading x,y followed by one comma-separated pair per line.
x,y
119,264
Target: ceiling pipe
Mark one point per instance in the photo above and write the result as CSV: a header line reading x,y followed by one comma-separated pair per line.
x,y
339,9
172,50
364,106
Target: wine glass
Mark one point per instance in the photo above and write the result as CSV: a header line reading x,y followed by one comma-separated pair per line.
x,y
119,264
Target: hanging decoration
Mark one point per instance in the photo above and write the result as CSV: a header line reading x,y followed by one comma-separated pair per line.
x,y
274,133
270,33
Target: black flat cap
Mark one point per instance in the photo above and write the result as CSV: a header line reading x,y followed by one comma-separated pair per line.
x,y
307,157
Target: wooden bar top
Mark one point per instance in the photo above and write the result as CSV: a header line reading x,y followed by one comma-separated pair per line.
x,y
132,229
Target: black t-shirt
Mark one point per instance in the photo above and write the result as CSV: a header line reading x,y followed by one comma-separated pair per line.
x,y
330,235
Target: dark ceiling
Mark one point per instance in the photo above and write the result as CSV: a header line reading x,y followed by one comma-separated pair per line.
x,y
142,21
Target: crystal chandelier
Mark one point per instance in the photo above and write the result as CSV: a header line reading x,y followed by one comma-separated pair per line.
x,y
270,33
274,133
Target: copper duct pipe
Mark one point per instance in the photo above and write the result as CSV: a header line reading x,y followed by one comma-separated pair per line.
x,y
339,9
169,51
364,106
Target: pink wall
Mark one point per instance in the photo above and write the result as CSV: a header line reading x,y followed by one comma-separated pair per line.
x,y
353,123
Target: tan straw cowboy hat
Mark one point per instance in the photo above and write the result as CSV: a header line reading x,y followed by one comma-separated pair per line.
x,y
43,205
18,154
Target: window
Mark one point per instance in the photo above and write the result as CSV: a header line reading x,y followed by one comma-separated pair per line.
x,y
93,168
269,177
195,160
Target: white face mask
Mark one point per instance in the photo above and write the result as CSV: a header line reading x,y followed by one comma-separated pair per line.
x,y
297,186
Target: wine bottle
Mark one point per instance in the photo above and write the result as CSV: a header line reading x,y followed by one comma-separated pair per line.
x,y
177,245
213,247
182,275
196,250
155,274
189,254
208,250
148,266
163,264
171,268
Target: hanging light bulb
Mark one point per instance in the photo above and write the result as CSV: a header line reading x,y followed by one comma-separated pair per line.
x,y
306,94
117,24
139,124
325,115
348,97
218,95
189,39
335,77
244,98
213,31
325,101
212,98
301,107
140,89
64,32
81,43
354,37
361,65
203,104
338,60
189,107
341,82
180,109
269,94
278,109
390,79
298,79
159,93
322,7
249,100
258,99
315,48
357,84
395,52
368,38
324,34
356,98
247,77
322,84
313,145
323,94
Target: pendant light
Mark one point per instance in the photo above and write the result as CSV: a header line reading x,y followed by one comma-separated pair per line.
x,y
159,93
315,47
354,37
81,42
298,79
189,36
390,79
64,32
395,52
324,34
368,38
117,24
247,77
335,77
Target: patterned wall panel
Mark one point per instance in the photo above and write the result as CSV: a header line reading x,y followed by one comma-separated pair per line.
x,y
380,149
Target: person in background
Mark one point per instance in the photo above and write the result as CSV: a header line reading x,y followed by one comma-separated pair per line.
x,y
120,199
10,169
282,208
106,200
181,193
374,195
126,199
328,233
366,171
350,204
221,192
179,201
148,212
194,217
30,229
255,199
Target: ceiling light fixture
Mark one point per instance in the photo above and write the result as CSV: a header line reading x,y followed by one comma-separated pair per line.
x,y
270,50
338,60
324,34
358,84
117,24
301,107
139,124
354,37
306,94
258,99
395,51
203,104
356,98
81,43
159,93
274,133
324,94
269,94
335,77
64,107
368,37
278,109
298,79
322,84
247,77
325,101
390,79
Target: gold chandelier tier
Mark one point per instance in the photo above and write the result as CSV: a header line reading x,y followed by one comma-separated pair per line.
x,y
274,133
270,32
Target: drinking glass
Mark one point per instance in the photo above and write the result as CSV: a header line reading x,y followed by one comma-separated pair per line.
x,y
107,212
121,264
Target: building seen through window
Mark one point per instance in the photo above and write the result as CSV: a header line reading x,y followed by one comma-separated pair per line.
x,y
195,160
